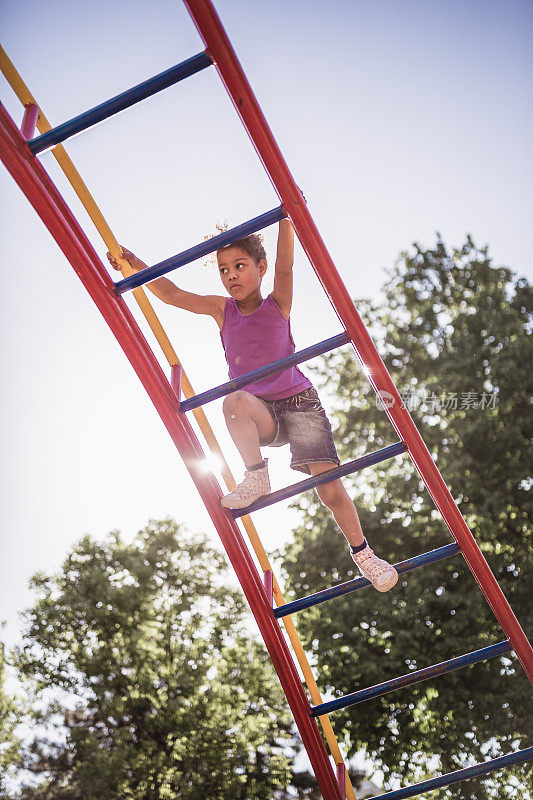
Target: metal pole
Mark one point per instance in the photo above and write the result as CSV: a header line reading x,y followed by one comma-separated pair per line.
x,y
31,113
342,589
269,586
199,250
120,102
425,674
263,372
518,757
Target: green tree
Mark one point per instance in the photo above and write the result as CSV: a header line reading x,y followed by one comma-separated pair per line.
x,y
453,332
148,682
10,716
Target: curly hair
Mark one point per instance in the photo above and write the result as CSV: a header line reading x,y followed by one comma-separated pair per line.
x,y
252,245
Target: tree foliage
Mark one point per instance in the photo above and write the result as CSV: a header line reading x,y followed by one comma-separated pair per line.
x,y
453,333
147,683
10,716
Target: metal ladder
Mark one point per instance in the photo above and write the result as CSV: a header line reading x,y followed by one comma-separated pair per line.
x,y
18,151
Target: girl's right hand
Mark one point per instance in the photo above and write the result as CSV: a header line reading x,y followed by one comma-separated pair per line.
x,y
131,258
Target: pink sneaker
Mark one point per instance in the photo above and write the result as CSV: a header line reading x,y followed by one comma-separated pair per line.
x,y
255,485
381,575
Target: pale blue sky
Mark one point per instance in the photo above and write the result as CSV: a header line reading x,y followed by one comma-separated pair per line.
x,y
396,119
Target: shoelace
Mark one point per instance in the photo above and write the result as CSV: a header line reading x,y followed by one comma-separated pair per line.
x,y
372,564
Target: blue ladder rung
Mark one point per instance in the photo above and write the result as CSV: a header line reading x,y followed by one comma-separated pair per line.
x,y
200,250
360,583
518,757
263,372
120,102
325,477
413,677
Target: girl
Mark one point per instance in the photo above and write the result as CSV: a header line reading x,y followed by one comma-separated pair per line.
x,y
283,408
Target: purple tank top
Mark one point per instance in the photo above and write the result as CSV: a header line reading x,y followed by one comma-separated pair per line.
x,y
253,340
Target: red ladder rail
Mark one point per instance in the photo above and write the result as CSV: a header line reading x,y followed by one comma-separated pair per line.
x,y
227,64
56,215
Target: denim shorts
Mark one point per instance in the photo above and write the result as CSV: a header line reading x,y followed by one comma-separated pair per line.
x,y
301,422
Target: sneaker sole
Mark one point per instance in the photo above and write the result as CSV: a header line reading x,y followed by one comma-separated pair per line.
x,y
233,506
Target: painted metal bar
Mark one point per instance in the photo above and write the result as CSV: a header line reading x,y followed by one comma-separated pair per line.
x,y
413,677
269,586
518,757
176,372
341,779
326,477
361,583
263,372
200,250
122,101
30,175
31,113
227,64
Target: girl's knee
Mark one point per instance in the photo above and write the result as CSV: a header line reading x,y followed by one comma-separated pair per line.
x,y
332,494
236,403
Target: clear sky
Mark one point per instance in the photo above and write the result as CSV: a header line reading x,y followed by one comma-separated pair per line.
x,y
396,119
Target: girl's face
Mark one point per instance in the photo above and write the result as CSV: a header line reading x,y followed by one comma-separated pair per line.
x,y
239,272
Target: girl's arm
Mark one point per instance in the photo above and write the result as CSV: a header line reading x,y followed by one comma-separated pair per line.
x,y
282,294
168,292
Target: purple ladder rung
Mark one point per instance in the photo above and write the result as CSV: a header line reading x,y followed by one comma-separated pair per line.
x,y
325,477
342,589
518,757
263,372
380,689
198,251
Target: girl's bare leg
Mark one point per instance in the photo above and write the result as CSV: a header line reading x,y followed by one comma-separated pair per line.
x,y
382,575
249,421
337,499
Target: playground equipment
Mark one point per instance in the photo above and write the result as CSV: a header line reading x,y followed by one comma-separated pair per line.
x,y
18,150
